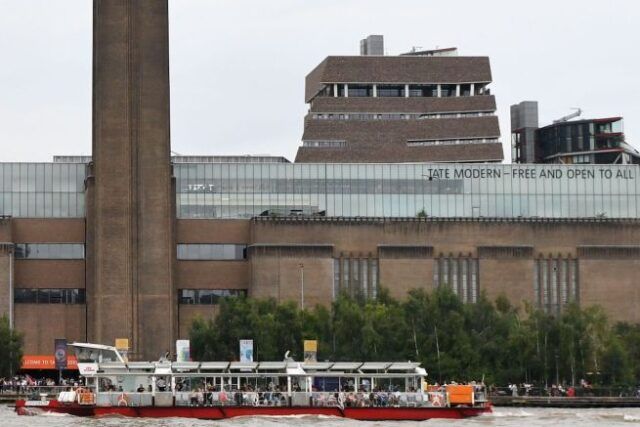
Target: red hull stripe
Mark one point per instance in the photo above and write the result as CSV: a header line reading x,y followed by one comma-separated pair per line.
x,y
222,412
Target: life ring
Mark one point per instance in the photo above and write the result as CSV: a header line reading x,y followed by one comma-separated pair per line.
x,y
437,400
123,400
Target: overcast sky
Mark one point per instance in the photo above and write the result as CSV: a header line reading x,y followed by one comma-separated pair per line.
x,y
238,66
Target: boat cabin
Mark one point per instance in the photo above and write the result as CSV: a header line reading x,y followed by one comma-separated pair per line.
x,y
114,381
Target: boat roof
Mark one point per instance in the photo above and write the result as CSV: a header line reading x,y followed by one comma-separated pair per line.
x,y
292,367
288,366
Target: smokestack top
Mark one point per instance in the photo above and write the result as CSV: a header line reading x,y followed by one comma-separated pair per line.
x,y
372,45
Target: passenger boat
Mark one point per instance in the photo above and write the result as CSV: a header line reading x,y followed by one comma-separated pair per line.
x,y
218,390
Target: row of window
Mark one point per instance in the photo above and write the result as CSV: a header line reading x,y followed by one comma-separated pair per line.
x,y
397,116
78,296
403,90
207,296
49,250
356,277
555,283
211,251
461,141
50,296
460,274
324,144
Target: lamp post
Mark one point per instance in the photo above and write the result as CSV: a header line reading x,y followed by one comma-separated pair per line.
x,y
301,286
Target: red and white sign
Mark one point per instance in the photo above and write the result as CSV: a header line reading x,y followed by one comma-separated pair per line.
x,y
36,362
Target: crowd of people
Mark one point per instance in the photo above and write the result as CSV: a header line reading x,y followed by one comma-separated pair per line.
x,y
24,384
584,388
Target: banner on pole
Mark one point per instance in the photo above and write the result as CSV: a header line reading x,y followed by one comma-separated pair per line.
x,y
246,350
310,350
60,353
183,351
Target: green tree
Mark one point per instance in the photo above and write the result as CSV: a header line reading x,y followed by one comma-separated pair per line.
x,y
10,349
486,340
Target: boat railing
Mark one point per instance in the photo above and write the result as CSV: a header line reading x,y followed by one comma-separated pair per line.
x,y
112,398
29,390
315,398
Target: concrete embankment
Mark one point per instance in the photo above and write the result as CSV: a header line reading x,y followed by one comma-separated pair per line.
x,y
566,402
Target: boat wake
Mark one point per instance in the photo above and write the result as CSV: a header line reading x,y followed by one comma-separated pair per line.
x,y
508,414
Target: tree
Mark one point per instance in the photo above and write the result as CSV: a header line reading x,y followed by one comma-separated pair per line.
x,y
488,340
10,349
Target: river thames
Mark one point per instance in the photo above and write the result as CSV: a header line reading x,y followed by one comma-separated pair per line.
x,y
501,417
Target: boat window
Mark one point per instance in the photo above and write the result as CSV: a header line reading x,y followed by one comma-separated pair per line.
x,y
94,355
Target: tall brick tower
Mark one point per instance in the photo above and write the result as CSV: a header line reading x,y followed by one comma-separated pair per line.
x,y
130,209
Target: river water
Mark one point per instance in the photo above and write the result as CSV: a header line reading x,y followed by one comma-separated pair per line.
x,y
507,417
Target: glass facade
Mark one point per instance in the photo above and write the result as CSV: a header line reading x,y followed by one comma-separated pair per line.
x,y
49,250
42,190
244,190
212,251
227,190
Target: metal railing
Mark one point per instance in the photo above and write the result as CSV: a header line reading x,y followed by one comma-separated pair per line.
x,y
317,399
30,390
628,392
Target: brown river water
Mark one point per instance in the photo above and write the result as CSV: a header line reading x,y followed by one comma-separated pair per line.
x,y
501,417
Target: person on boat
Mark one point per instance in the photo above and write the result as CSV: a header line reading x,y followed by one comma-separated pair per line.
x,y
140,389
161,384
208,397
193,397
222,396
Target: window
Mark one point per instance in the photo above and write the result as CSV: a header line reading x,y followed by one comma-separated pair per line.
x,y
356,277
458,273
212,251
49,296
451,142
327,90
360,90
390,91
207,296
324,144
36,190
555,283
49,250
447,90
423,90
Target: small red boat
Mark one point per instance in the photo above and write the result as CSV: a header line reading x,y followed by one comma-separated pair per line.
x,y
219,390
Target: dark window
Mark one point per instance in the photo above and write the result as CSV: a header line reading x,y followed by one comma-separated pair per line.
x,y
360,90
423,90
50,296
326,91
390,90
28,296
55,296
447,90
43,296
207,296
465,90
187,296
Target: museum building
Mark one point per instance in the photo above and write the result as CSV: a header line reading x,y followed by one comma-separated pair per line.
x,y
132,243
